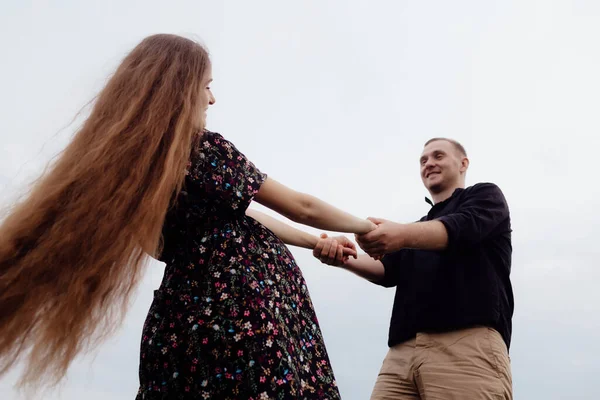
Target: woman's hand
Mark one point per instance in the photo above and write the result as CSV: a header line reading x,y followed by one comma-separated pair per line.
x,y
335,250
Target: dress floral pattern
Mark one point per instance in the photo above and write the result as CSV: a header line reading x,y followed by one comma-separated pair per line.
x,y
232,318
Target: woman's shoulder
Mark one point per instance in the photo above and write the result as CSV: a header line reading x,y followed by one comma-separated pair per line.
x,y
210,140
211,136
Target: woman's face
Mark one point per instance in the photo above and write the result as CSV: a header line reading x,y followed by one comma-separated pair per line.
x,y
206,97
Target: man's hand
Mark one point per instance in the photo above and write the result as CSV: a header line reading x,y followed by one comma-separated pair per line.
x,y
334,251
387,238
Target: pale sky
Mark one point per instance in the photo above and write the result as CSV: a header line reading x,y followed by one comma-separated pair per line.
x,y
336,98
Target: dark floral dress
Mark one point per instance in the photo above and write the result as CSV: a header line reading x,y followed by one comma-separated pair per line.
x,y
232,318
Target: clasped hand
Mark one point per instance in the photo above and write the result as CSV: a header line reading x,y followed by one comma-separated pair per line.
x,y
386,237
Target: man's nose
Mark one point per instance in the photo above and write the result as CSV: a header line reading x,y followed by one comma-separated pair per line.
x,y
429,163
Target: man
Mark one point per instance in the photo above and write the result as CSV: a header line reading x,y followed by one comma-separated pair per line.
x,y
450,328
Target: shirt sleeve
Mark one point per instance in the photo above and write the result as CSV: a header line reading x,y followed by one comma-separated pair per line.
x,y
392,266
482,213
224,172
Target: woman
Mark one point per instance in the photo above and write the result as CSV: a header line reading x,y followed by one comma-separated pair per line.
x,y
232,318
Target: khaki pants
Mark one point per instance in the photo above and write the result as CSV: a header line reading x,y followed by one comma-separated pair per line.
x,y
466,364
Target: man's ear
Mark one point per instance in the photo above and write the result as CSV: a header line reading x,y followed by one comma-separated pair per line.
x,y
464,165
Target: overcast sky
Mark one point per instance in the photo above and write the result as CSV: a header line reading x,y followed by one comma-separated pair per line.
x,y
336,98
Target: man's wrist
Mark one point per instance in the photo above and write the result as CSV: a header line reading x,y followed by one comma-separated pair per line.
x,y
346,264
400,238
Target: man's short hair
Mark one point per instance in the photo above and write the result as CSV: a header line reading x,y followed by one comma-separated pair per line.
x,y
454,143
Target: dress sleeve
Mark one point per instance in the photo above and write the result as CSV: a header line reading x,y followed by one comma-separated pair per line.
x,y
224,173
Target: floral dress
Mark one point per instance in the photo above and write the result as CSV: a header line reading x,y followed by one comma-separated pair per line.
x,y
232,318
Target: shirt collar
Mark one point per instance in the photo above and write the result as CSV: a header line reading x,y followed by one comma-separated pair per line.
x,y
456,191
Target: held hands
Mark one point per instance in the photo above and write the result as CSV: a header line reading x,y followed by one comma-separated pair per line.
x,y
387,238
337,250
334,251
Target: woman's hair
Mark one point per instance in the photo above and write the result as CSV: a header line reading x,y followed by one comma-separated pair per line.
x,y
71,253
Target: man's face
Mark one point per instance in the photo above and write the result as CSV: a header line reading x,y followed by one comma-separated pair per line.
x,y
441,166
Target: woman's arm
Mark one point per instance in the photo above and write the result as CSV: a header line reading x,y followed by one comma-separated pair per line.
x,y
309,210
289,235
292,236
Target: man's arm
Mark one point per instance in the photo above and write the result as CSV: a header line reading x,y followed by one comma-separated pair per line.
x,y
364,266
478,217
391,236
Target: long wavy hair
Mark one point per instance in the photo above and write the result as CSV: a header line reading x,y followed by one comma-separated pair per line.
x,y
72,252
